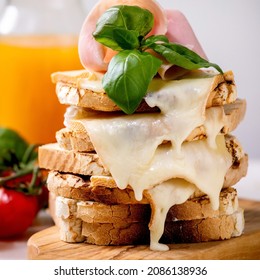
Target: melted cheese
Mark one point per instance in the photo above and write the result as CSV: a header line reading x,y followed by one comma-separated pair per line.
x,y
174,191
133,148
214,122
182,104
73,113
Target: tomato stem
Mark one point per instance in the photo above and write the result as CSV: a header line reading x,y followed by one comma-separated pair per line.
x,y
18,174
34,178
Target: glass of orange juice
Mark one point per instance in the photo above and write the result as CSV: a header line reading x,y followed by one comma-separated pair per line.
x,y
37,38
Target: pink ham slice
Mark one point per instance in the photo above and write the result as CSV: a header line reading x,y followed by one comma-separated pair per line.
x,y
180,31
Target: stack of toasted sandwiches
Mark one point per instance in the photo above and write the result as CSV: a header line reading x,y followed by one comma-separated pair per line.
x,y
165,174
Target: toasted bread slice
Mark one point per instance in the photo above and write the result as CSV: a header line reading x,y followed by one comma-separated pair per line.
x,y
71,89
81,188
95,212
199,230
79,140
52,157
194,208
204,230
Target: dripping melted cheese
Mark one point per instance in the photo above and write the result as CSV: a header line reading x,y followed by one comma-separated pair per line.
x,y
133,148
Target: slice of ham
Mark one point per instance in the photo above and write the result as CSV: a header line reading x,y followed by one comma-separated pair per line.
x,y
95,56
173,23
180,31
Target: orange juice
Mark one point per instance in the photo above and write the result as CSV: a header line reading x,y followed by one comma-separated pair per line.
x,y
28,102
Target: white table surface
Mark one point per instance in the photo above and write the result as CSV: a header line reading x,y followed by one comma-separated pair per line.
x,y
16,249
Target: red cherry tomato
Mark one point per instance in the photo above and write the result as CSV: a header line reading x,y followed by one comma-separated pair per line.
x,y
17,212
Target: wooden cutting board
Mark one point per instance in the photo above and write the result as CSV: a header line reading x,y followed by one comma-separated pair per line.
x,y
46,245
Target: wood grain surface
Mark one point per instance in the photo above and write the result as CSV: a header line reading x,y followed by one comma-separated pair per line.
x,y
46,245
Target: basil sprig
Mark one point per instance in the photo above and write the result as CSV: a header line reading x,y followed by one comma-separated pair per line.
x,y
15,152
123,29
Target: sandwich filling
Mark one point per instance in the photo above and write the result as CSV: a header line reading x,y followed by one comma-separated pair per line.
x,y
148,152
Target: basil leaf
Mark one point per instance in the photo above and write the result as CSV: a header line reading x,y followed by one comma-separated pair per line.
x,y
126,39
146,43
118,18
12,148
128,77
182,56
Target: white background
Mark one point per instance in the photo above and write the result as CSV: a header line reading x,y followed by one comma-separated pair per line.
x,y
229,31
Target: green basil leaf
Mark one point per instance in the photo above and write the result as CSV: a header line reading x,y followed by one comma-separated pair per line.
x,y
12,148
126,39
128,18
146,43
128,77
182,56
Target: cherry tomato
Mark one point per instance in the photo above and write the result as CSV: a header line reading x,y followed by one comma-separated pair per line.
x,y
17,212
22,190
